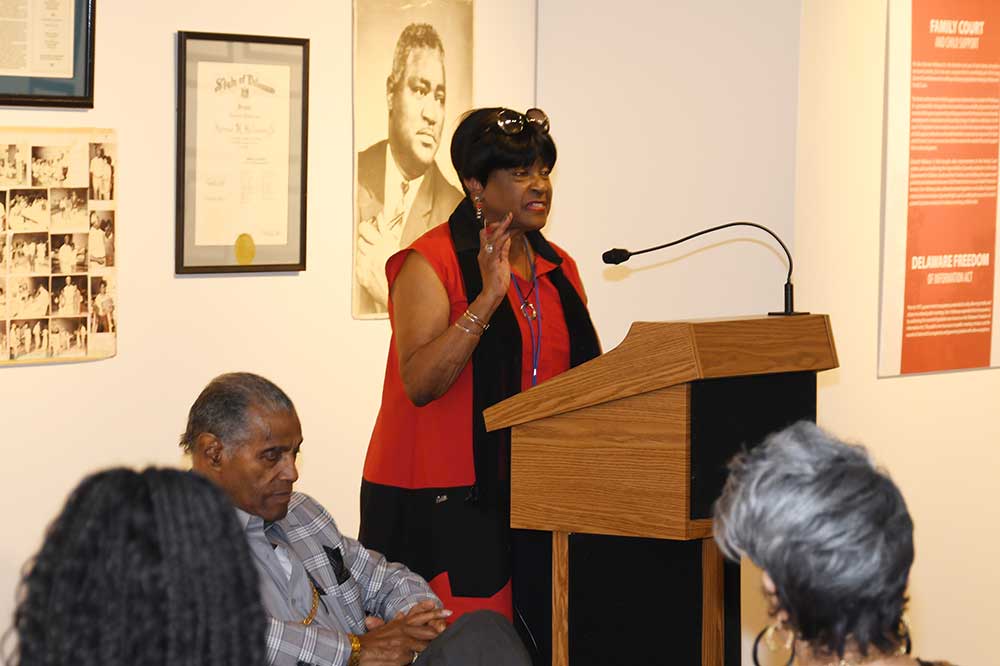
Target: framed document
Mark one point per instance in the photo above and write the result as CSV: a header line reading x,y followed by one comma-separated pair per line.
x,y
47,53
242,112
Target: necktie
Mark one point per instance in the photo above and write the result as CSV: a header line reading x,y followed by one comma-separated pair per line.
x,y
397,218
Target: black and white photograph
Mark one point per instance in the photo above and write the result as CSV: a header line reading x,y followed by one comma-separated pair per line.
x,y
28,297
101,243
69,253
69,295
102,318
55,242
49,166
28,210
102,171
67,337
68,209
13,165
29,339
29,254
412,82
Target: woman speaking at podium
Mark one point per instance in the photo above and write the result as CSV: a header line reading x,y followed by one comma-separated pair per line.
x,y
482,307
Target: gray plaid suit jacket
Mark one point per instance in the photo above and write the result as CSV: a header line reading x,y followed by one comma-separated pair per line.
x,y
355,582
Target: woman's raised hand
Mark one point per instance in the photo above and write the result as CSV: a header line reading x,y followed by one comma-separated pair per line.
x,y
494,258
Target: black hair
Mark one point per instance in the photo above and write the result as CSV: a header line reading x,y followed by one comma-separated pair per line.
x,y
479,147
830,529
221,408
144,568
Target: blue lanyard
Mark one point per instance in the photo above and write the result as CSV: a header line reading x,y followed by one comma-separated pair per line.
x,y
534,316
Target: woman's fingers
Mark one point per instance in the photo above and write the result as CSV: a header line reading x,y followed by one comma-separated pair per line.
x,y
504,224
504,257
496,232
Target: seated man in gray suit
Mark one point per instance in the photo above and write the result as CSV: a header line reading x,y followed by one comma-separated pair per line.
x,y
330,601
401,191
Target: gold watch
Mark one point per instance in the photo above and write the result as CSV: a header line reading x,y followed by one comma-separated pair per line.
x,y
355,650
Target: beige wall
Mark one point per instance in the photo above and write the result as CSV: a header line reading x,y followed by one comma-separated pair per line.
x,y
937,434
672,117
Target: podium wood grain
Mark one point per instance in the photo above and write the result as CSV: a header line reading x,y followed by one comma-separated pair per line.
x,y
712,604
584,472
657,355
560,599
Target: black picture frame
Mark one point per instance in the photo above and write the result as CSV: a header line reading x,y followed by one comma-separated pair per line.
x,y
245,51
75,92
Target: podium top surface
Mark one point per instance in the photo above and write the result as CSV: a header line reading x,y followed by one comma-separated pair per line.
x,y
656,355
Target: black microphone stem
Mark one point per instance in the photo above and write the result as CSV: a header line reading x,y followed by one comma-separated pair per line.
x,y
617,256
788,278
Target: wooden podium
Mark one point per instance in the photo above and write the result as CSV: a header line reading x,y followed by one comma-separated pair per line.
x,y
630,449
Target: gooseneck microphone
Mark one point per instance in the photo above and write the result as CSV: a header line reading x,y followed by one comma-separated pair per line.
x,y
619,255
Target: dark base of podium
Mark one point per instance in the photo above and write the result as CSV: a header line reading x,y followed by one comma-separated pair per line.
x,y
639,601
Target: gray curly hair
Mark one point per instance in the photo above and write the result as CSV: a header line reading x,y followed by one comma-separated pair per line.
x,y
829,528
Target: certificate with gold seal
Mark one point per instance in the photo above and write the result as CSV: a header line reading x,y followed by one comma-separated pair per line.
x,y
241,153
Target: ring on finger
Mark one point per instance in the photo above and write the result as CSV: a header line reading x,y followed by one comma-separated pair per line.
x,y
489,248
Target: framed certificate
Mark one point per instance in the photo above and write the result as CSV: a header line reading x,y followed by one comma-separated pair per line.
x,y
47,53
242,112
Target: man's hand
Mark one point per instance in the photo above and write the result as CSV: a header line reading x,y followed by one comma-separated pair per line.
x,y
397,642
375,245
419,613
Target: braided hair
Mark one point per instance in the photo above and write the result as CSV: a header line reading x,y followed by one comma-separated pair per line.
x,y
141,568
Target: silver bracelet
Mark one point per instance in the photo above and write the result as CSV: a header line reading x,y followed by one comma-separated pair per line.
x,y
469,331
478,321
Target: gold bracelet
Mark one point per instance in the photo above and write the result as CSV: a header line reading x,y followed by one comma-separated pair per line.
x,y
467,330
355,658
478,321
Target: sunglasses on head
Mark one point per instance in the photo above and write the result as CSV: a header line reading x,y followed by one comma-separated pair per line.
x,y
511,122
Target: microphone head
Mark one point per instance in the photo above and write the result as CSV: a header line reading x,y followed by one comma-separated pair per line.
x,y
616,256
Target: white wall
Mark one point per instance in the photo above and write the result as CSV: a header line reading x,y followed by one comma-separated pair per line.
x,y
60,422
671,117
937,434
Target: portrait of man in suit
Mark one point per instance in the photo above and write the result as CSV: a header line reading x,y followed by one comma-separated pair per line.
x,y
401,191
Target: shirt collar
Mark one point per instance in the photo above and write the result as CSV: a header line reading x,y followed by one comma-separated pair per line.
x,y
248,521
393,179
543,265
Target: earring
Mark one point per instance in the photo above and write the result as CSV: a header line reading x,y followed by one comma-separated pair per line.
x,y
906,645
767,633
477,201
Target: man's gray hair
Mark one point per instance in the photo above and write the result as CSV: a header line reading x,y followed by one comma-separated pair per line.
x,y
221,408
830,529
414,36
